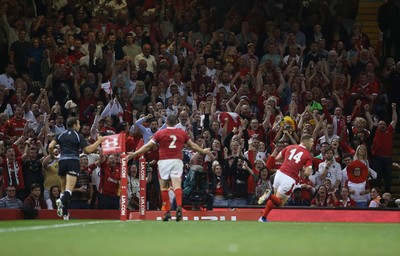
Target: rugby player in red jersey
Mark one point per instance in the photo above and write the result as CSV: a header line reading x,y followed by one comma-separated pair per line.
x,y
295,157
170,142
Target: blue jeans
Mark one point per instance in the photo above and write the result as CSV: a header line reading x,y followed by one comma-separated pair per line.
x,y
235,202
221,202
362,204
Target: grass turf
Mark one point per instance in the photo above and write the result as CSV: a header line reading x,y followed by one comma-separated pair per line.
x,y
89,237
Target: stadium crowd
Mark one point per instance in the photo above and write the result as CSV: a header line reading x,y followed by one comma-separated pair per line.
x,y
245,79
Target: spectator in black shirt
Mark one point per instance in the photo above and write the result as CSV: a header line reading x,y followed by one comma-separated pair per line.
x,y
32,164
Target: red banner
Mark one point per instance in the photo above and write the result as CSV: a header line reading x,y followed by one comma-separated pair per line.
x,y
124,188
113,144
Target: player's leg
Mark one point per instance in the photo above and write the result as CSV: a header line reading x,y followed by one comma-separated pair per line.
x,y
171,169
283,186
164,185
63,180
176,185
274,201
59,203
164,169
69,187
72,169
65,196
176,180
70,182
62,173
279,199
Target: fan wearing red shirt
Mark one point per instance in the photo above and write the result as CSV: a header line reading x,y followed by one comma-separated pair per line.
x,y
13,174
382,150
110,175
345,201
15,126
295,157
257,130
365,91
170,142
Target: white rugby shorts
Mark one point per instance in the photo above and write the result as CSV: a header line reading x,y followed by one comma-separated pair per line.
x,y
170,168
283,183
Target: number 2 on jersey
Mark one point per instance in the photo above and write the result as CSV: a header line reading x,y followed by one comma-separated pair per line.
x,y
172,144
293,155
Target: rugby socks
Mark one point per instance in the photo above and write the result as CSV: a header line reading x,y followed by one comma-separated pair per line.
x,y
273,202
65,196
268,207
165,200
276,200
65,201
178,197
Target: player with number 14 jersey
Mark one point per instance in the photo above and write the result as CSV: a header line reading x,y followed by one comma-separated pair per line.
x,y
296,156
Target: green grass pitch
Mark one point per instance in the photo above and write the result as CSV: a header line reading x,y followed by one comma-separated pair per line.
x,y
92,237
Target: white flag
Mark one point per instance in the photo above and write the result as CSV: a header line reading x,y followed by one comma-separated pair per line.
x,y
107,87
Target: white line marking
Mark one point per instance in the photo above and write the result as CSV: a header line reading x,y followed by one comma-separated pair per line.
x,y
30,228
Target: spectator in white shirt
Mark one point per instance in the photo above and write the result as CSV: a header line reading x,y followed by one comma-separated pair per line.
x,y
6,78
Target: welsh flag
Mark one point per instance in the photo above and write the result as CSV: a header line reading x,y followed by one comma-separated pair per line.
x,y
113,144
233,120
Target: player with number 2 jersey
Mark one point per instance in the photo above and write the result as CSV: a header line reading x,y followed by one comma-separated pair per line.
x,y
170,166
171,141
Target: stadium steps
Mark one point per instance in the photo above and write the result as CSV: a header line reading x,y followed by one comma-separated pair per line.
x,y
368,14
396,171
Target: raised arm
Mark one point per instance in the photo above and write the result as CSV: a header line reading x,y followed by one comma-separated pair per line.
x,y
77,86
140,121
95,125
394,116
267,116
282,84
144,149
91,148
26,150
44,151
259,79
213,108
368,116
53,143
98,88
197,148
231,102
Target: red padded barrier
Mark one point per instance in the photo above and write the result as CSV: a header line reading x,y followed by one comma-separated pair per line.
x,y
284,214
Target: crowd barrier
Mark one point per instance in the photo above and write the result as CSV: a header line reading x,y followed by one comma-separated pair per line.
x,y
287,214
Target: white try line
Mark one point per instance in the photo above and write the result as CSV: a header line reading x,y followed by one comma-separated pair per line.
x,y
30,228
